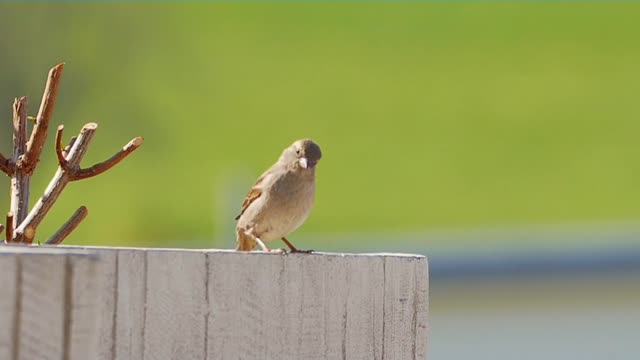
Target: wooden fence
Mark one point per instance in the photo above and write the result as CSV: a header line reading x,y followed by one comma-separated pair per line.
x,y
71,303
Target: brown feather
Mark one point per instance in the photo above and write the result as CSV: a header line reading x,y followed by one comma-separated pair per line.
x,y
253,194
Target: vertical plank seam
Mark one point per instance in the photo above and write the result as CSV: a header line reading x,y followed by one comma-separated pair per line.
x,y
68,308
384,300
114,317
301,318
415,309
145,270
18,310
207,309
345,316
324,308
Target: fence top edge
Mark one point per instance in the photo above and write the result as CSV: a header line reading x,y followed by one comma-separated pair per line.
x,y
94,250
233,252
22,249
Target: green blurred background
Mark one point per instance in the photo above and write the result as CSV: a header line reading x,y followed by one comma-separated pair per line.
x,y
430,115
500,139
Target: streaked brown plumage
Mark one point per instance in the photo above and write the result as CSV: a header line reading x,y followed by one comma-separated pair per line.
x,y
281,199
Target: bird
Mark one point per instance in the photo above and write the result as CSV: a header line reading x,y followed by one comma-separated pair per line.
x,y
281,199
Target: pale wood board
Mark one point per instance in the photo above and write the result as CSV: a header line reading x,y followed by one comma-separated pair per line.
x,y
9,273
146,304
175,315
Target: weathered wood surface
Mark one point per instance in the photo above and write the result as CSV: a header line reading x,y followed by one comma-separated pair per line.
x,y
217,304
47,303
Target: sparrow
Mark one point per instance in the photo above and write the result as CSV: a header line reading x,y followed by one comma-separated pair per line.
x,y
281,199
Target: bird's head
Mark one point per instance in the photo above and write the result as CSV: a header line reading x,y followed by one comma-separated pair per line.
x,y
303,154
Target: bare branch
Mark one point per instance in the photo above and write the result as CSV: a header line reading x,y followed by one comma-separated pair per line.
x,y
9,234
59,180
68,226
39,133
99,168
59,151
20,180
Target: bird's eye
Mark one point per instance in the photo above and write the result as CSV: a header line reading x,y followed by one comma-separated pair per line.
x,y
298,151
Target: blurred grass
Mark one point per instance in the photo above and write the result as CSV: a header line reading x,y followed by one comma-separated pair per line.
x,y
430,115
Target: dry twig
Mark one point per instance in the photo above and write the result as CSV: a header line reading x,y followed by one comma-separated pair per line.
x,y
9,234
20,179
39,133
99,168
59,150
68,226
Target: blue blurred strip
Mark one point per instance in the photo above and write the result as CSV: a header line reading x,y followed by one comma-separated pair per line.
x,y
540,263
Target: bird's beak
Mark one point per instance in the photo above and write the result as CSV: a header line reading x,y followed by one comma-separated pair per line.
x,y
305,163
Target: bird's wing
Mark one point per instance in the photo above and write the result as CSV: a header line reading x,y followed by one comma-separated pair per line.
x,y
253,194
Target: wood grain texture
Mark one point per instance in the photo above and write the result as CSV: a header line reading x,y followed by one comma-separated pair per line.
x,y
265,306
42,313
241,323
48,312
404,308
422,308
130,305
83,300
176,305
213,304
9,273
106,310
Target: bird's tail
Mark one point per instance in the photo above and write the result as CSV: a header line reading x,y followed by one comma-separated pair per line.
x,y
245,242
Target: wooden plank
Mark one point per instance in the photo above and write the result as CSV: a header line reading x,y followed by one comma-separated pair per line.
x,y
364,315
403,307
295,307
130,317
334,270
9,285
83,304
42,310
107,278
304,308
243,322
211,304
176,305
422,308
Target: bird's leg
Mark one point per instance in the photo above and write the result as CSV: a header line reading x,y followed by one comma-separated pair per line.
x,y
266,249
293,248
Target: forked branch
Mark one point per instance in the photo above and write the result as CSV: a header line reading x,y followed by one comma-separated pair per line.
x,y
69,170
22,224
